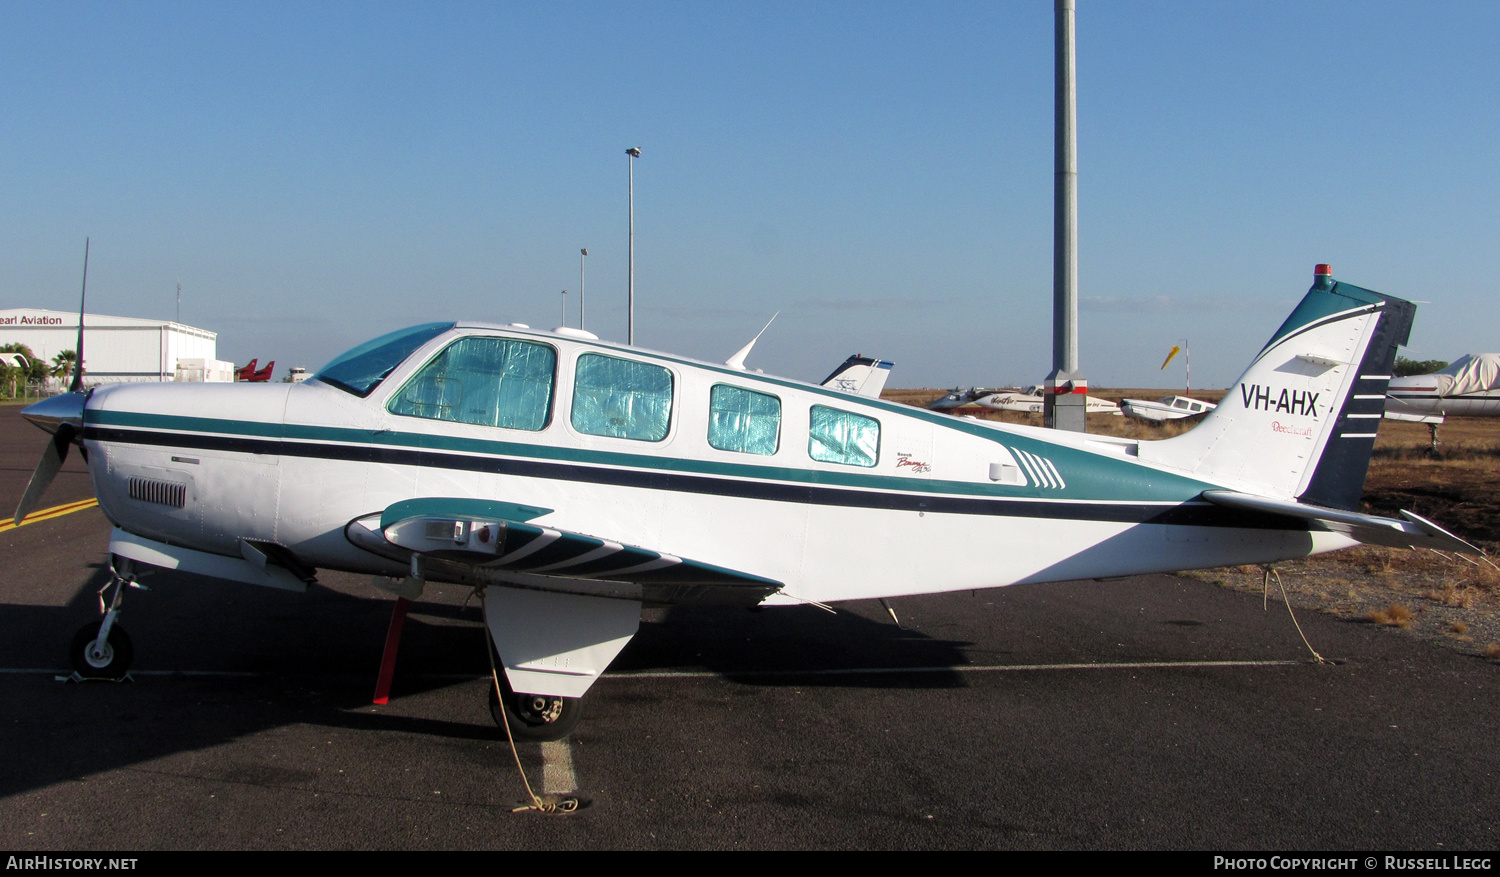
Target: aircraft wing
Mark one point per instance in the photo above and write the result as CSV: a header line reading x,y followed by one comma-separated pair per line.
x,y
1414,532
487,542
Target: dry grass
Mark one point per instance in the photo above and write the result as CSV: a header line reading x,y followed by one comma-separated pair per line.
x,y
1452,594
1492,651
1394,615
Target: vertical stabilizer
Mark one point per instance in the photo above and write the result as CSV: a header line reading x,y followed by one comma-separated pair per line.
x,y
861,375
1300,423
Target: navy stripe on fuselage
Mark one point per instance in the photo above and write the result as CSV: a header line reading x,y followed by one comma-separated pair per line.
x,y
1181,514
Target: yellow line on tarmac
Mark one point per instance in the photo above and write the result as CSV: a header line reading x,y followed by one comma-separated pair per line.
x,y
56,511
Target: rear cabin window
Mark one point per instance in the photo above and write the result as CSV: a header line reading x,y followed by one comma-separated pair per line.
x,y
484,381
621,398
743,421
836,436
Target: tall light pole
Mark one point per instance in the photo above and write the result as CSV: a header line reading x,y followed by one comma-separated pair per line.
x,y
582,254
564,318
634,152
1066,401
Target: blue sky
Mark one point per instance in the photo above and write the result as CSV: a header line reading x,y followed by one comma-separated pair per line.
x,y
315,174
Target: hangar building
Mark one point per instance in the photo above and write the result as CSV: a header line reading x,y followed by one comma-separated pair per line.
x,y
115,349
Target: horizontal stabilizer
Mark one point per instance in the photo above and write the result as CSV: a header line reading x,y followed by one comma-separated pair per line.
x,y
1414,532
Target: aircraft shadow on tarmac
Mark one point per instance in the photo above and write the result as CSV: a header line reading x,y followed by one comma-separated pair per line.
x,y
216,662
800,645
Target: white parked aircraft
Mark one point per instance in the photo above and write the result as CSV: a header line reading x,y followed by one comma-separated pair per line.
x,y
1468,387
1167,408
1030,400
576,480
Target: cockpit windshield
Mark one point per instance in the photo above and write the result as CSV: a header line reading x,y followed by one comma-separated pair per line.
x,y
360,370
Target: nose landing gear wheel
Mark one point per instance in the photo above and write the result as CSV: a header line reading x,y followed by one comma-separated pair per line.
x,y
111,661
534,718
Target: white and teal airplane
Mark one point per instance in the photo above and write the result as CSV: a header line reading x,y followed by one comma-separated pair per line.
x,y
575,481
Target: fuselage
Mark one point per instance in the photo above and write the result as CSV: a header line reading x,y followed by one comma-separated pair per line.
x,y
1418,398
835,495
1467,387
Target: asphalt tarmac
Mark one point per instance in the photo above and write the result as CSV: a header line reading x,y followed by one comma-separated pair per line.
x,y
1152,712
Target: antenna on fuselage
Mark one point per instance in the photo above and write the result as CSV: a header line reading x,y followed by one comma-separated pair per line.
x,y
738,360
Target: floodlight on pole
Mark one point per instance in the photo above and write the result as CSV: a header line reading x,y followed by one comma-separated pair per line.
x,y
634,152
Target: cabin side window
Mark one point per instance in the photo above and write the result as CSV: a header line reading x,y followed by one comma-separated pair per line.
x,y
484,381
743,421
621,398
843,437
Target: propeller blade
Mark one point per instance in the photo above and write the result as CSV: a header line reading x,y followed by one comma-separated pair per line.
x,y
82,300
46,470
63,417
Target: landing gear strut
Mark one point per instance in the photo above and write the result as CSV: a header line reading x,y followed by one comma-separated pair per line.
x,y
101,649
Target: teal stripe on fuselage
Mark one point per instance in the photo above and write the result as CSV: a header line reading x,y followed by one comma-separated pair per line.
x,y
1088,477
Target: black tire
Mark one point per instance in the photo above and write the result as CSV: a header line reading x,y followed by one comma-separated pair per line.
x,y
535,718
111,663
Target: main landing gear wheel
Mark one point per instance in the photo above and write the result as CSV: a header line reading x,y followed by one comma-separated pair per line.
x,y
535,718
109,662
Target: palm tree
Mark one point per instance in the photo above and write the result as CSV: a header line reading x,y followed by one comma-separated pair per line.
x,y
62,364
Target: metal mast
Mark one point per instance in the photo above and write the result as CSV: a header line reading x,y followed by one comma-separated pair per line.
x,y
1066,387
